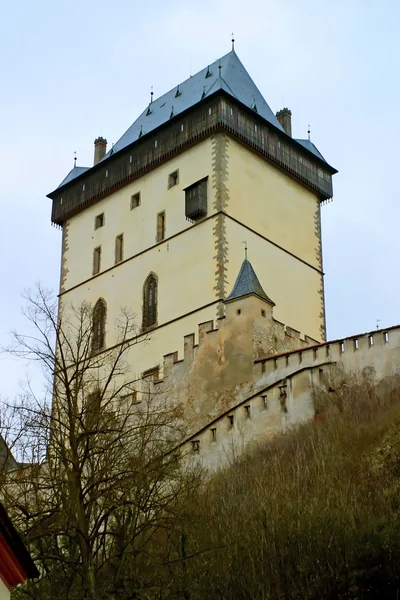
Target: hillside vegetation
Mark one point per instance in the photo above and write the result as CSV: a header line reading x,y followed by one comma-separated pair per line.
x,y
313,515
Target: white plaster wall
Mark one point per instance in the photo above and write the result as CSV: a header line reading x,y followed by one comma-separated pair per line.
x,y
292,285
4,593
139,225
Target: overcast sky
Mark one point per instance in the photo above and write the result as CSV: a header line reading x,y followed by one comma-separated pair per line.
x,y
72,71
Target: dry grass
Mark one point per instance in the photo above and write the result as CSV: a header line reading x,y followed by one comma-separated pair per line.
x,y
315,514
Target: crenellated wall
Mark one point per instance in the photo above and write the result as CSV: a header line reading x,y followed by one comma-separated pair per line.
x,y
231,397
219,371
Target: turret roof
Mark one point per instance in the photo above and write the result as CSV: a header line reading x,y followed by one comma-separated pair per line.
x,y
247,283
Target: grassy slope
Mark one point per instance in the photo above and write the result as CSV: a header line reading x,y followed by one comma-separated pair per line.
x,y
315,514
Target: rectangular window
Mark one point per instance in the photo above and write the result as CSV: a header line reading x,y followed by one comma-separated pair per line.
x,y
96,260
119,248
196,446
230,421
99,221
173,179
213,435
196,200
135,200
160,226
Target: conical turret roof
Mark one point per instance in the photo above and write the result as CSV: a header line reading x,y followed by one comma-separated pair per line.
x,y
247,283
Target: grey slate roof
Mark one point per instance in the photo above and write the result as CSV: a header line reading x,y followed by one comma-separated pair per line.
x,y
227,74
247,283
308,145
232,77
72,174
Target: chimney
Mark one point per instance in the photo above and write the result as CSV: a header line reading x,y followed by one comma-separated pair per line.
x,y
100,149
284,117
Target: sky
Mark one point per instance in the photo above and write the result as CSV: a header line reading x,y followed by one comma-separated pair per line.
x,y
73,71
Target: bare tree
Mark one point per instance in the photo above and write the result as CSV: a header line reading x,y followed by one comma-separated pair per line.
x,y
100,504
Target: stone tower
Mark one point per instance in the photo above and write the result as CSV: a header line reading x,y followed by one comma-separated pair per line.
x,y
157,224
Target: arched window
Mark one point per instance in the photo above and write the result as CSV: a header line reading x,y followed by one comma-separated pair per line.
x,y
150,302
99,325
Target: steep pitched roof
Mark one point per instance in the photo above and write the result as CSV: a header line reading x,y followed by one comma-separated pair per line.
x,y
226,73
75,172
247,283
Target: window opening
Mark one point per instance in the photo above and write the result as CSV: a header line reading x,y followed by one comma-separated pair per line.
x,y
96,260
213,435
135,200
99,325
99,221
247,410
173,179
160,226
231,420
150,300
119,248
196,446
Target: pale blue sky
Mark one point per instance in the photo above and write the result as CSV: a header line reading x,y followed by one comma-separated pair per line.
x,y
72,71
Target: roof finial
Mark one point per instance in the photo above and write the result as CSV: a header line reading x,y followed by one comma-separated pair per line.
x,y
75,158
233,41
245,249
309,132
377,323
219,69
151,95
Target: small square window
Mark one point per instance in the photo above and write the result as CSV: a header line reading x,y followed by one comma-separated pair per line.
x,y
173,179
135,200
239,311
99,221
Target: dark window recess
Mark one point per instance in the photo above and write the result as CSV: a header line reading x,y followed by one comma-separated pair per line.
x,y
196,200
99,326
99,221
135,200
150,302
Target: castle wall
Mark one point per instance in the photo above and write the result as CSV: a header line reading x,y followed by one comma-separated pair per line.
x,y
231,402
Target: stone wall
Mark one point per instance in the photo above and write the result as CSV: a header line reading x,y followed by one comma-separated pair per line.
x,y
232,398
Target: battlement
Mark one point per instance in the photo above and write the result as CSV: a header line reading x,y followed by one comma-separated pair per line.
x,y
282,393
377,348
283,336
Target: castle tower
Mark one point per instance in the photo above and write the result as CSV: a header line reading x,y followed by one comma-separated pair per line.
x,y
157,223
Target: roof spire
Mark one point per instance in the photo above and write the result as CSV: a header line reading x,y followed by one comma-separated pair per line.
x,y
219,69
151,95
245,248
233,42
247,283
75,158
309,132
